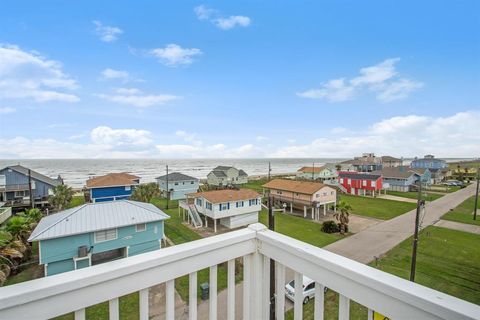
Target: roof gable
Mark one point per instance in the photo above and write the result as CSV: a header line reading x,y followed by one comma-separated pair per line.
x,y
176,176
34,174
112,179
305,187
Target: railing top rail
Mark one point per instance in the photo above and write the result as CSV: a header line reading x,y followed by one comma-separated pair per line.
x,y
106,281
378,290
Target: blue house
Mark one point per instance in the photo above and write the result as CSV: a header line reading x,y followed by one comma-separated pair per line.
x,y
424,174
398,178
429,162
95,233
15,189
113,186
178,185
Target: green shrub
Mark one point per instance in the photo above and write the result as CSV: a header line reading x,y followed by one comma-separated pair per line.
x,y
330,227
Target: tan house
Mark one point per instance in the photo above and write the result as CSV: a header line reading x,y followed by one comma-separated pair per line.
x,y
306,195
323,173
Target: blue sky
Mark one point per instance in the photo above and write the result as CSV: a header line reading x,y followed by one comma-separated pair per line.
x,y
239,79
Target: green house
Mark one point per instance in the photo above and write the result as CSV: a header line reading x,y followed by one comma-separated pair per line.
x,y
95,233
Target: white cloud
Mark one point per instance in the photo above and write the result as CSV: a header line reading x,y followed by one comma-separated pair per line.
x,y
174,55
115,74
7,110
28,75
136,98
382,79
232,22
222,22
120,137
107,33
406,136
261,138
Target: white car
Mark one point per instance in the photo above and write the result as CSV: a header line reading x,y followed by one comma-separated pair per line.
x,y
308,289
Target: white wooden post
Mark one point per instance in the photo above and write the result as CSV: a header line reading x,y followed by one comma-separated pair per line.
x,y
231,290
80,314
291,207
325,209
266,288
370,314
113,311
143,297
215,225
170,300
280,291
298,304
319,301
213,293
192,296
304,211
343,308
247,266
313,213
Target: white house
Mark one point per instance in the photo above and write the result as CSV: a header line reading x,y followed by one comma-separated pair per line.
x,y
178,185
323,173
234,208
225,175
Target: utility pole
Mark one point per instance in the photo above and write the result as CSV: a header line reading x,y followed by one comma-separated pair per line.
x,y
271,226
313,171
269,170
32,205
168,190
476,195
420,204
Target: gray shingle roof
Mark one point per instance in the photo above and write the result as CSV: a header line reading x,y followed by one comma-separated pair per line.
x,y
219,174
176,176
35,175
222,168
396,173
242,173
94,217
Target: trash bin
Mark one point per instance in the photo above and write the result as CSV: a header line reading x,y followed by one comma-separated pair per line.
x,y
204,290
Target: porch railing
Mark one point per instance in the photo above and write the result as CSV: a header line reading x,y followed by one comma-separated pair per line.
x,y
74,291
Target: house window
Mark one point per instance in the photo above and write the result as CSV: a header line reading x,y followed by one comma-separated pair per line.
x,y
331,193
140,227
22,193
341,180
253,202
128,188
279,192
224,206
239,204
208,205
183,183
296,194
105,235
176,183
364,183
372,183
192,182
317,195
199,202
349,181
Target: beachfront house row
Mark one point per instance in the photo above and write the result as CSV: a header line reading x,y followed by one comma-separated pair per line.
x,y
95,233
112,186
308,196
430,162
225,175
368,162
15,186
363,184
323,173
398,178
232,208
177,184
388,161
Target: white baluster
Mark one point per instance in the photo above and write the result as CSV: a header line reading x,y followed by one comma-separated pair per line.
x,y
192,292
213,292
280,291
247,266
266,288
113,311
319,301
370,314
80,314
170,300
298,305
343,308
231,290
143,302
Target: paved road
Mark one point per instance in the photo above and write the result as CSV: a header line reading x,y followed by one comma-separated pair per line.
x,y
380,238
458,226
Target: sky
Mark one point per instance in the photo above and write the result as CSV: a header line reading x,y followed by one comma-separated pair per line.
x,y
238,79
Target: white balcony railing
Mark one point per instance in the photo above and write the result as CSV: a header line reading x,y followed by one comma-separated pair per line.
x,y
74,291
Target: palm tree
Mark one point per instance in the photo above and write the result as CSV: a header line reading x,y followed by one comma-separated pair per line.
x,y
343,211
145,192
62,196
19,227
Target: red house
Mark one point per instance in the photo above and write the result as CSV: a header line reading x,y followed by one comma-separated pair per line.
x,y
360,183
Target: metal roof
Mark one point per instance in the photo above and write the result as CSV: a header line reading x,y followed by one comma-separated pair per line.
x,y
34,175
176,176
92,217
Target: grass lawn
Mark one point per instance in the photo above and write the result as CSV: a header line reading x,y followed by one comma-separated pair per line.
x,y
377,208
463,212
255,184
300,228
447,261
414,195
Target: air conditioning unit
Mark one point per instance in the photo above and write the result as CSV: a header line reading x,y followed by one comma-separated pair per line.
x,y
82,251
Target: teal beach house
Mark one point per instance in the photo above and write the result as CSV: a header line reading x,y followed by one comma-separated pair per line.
x,y
95,233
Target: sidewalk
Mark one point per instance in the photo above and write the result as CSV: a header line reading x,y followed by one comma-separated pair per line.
x,y
458,226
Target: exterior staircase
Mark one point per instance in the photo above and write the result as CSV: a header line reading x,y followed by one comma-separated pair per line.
x,y
194,216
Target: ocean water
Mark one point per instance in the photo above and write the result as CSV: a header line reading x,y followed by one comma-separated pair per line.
x,y
76,171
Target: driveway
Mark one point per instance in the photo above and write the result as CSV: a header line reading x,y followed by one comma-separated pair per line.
x,y
382,237
396,198
458,226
